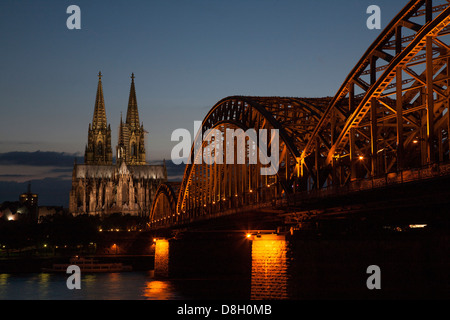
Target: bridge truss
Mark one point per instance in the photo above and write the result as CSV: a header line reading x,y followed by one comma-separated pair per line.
x,y
391,114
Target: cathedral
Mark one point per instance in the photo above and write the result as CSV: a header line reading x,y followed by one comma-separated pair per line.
x,y
128,186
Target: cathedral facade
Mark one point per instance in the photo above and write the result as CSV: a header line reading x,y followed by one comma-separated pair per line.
x,y
128,186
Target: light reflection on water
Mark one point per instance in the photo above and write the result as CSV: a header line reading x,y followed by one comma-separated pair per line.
x,y
101,286
268,280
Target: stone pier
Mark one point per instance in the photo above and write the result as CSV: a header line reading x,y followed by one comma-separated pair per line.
x,y
269,267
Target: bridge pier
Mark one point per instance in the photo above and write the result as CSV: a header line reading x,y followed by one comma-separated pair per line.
x,y
161,267
269,267
260,261
203,255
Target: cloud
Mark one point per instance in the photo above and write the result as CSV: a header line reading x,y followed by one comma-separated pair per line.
x,y
49,174
39,158
63,170
23,173
2,142
12,175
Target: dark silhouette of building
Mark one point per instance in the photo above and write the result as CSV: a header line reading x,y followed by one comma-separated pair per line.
x,y
30,201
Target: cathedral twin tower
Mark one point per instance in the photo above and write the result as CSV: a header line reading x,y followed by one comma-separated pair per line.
x,y
101,187
130,147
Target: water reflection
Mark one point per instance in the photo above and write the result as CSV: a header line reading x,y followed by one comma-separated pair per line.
x,y
158,290
43,283
104,286
3,284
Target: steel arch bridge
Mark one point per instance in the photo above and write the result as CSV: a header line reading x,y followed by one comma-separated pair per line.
x,y
389,117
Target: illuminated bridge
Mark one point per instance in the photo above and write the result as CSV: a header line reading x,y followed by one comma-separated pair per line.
x,y
381,141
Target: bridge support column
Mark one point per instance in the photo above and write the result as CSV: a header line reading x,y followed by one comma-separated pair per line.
x,y
374,136
448,103
430,101
317,164
161,258
399,120
399,102
353,155
203,255
269,267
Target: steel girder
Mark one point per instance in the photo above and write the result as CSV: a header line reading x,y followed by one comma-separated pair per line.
x,y
393,102
294,119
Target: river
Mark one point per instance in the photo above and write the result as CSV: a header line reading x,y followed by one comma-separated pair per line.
x,y
116,286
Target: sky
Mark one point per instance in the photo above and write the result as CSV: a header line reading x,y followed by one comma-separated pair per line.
x,y
186,55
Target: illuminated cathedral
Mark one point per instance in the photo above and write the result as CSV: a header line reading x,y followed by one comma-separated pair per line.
x,y
128,186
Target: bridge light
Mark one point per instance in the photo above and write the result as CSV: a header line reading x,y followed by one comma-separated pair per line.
x,y
251,190
248,235
415,141
361,158
417,226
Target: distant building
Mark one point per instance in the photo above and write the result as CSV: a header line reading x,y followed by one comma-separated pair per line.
x,y
100,187
29,200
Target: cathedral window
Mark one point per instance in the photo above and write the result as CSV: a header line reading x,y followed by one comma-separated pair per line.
x,y
100,149
133,150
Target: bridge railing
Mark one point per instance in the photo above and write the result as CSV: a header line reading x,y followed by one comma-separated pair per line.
x,y
404,176
254,199
395,178
198,215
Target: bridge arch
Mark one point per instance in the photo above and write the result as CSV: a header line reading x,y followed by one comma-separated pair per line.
x,y
291,117
164,204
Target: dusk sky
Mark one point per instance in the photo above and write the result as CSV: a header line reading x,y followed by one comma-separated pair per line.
x,y
186,56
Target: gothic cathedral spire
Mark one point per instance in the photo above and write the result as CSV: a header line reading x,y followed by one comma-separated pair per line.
x,y
132,112
98,149
131,145
99,119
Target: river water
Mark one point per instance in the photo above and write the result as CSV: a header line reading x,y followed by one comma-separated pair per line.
x,y
270,268
116,286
